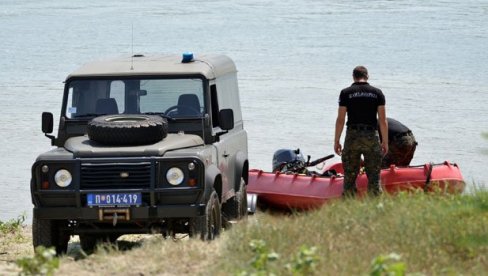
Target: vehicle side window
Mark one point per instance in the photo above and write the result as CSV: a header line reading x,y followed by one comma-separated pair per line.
x,y
228,95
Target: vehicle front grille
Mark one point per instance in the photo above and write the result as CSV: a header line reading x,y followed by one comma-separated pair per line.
x,y
115,175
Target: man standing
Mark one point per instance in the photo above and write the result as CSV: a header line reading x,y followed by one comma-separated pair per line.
x,y
365,109
401,145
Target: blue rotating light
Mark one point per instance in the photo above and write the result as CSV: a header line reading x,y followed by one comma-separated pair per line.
x,y
187,57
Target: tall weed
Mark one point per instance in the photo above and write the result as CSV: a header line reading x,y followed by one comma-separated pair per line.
x,y
13,225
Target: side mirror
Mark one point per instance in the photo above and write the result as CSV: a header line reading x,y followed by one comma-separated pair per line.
x,y
226,119
47,125
47,122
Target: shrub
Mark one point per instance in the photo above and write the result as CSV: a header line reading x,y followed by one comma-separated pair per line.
x,y
44,262
263,255
12,225
304,262
387,265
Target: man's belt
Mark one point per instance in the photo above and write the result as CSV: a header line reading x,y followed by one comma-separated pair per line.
x,y
361,127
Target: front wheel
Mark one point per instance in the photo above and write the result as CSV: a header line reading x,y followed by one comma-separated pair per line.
x,y
208,226
49,233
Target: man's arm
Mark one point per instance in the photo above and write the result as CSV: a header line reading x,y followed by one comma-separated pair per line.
x,y
341,119
383,128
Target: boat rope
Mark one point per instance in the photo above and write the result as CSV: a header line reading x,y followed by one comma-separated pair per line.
x,y
423,165
429,174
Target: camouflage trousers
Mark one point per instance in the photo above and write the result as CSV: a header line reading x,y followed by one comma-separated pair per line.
x,y
357,143
400,151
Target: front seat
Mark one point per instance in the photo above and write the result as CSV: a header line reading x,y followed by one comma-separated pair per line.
x,y
188,105
106,107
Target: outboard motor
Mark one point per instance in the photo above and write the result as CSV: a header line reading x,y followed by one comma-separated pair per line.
x,y
283,157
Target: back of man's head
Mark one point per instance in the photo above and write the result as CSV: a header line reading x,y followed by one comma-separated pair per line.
x,y
360,72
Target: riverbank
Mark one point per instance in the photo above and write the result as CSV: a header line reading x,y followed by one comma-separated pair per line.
x,y
430,234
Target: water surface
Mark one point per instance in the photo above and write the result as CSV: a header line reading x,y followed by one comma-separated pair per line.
x,y
428,57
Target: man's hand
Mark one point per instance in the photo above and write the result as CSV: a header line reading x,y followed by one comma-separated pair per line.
x,y
341,118
384,148
338,148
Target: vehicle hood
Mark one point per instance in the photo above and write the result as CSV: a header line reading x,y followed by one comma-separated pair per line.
x,y
82,146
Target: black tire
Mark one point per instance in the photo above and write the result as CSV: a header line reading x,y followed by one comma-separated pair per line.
x,y
243,200
88,242
208,227
49,233
127,129
236,207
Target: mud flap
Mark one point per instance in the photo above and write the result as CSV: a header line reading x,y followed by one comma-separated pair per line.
x,y
252,201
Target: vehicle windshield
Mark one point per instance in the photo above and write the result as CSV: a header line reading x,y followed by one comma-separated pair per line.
x,y
175,98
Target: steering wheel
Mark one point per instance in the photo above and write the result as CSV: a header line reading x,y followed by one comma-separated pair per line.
x,y
184,107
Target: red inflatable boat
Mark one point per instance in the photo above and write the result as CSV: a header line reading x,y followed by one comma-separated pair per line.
x,y
302,192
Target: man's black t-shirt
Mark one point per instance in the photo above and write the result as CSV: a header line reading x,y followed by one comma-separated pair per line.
x,y
362,101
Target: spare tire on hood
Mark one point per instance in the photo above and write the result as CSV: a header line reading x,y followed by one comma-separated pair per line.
x,y
127,129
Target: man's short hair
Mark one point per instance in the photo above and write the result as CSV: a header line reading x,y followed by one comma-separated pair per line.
x,y
360,72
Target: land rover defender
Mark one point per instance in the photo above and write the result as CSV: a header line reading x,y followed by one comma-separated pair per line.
x,y
145,144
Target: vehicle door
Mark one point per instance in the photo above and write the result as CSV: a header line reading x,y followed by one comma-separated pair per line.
x,y
224,151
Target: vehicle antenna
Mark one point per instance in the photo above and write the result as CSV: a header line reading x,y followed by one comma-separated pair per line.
x,y
132,48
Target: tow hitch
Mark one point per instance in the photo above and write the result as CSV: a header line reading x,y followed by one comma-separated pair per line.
x,y
114,215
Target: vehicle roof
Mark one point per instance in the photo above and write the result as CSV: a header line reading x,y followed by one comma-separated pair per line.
x,y
208,65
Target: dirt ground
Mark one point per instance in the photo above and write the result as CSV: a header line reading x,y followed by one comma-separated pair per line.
x,y
131,255
14,246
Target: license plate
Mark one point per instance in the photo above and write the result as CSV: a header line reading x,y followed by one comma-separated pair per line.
x,y
114,199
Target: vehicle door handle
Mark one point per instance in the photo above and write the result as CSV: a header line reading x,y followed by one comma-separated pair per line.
x,y
225,155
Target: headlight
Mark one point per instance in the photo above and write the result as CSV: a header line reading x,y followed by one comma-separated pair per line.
x,y
175,176
63,178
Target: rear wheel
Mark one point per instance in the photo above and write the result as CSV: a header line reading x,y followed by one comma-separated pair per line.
x,y
243,202
237,206
49,233
208,227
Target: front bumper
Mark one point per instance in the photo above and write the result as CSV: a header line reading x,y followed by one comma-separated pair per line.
x,y
134,213
160,199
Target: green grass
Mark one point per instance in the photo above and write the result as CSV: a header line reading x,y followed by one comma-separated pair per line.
x,y
432,234
12,226
11,233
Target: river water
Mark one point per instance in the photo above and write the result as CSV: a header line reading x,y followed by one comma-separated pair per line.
x,y
293,57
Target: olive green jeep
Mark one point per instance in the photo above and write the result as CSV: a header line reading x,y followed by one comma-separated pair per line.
x,y
145,144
